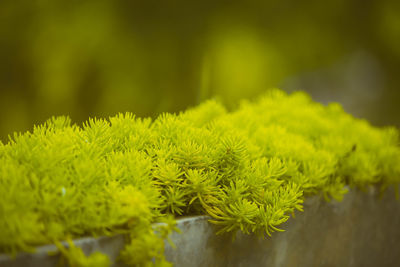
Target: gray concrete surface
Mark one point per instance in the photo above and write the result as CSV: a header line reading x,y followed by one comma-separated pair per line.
x,y
362,230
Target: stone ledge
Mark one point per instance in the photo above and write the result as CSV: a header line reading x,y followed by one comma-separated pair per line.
x,y
362,230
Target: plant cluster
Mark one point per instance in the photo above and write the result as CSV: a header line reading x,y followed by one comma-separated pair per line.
x,y
248,169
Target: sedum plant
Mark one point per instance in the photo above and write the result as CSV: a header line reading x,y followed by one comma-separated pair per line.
x,y
248,169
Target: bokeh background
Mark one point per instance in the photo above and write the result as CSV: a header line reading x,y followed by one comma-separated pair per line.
x,y
100,57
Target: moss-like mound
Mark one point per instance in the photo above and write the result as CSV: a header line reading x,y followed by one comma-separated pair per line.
x,y
248,169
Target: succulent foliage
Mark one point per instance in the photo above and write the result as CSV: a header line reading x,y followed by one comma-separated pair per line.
x,y
248,169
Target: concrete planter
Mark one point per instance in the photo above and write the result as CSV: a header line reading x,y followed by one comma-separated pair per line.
x,y
362,230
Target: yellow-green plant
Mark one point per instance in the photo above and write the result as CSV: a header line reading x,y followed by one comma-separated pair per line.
x,y
248,169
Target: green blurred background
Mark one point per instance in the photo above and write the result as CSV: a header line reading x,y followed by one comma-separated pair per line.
x,y
100,57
